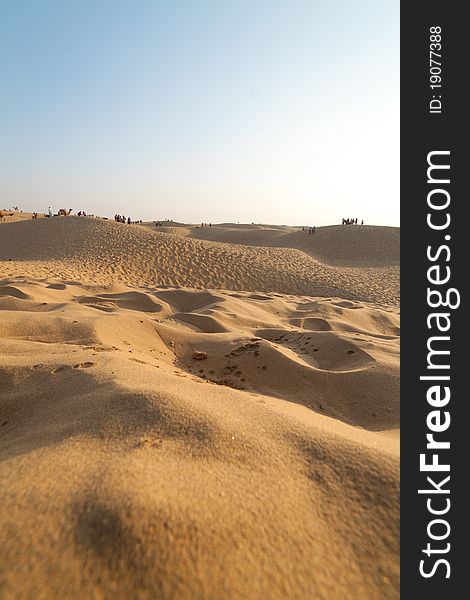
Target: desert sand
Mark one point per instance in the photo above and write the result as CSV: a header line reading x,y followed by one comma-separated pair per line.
x,y
372,246
198,413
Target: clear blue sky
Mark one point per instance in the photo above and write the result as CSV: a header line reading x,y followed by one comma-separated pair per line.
x,y
280,111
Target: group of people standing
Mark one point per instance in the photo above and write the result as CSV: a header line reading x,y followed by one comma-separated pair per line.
x,y
351,221
122,219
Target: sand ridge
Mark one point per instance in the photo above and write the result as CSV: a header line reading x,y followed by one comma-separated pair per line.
x,y
163,439
105,252
348,245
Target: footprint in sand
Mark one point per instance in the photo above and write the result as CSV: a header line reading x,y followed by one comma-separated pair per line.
x,y
84,365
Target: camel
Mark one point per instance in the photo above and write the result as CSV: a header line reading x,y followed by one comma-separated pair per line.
x,y
63,213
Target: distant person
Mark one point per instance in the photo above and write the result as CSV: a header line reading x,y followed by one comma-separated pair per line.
x,y
362,222
355,222
50,211
128,220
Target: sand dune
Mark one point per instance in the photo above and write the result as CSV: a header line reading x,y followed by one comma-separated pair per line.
x,y
106,252
165,438
12,216
352,245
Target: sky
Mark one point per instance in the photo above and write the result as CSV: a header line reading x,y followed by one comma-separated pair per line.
x,y
272,111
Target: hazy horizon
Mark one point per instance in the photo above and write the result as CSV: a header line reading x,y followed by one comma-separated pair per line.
x,y
274,112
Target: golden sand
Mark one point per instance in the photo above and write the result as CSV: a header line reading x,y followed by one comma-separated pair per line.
x,y
198,418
